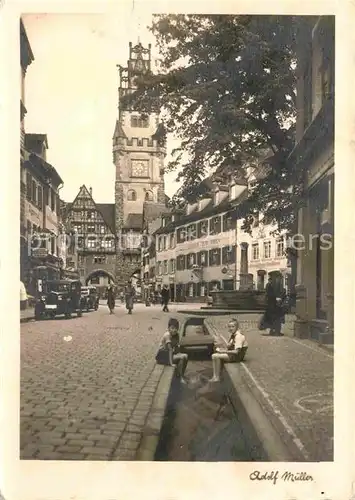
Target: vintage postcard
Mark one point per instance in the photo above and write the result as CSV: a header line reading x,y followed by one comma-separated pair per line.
x,y
185,319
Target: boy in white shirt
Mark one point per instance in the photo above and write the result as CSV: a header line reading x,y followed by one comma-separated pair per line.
x,y
234,352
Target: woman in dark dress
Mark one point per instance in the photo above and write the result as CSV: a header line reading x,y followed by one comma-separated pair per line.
x,y
274,312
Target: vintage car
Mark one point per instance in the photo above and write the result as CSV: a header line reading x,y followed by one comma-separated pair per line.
x,y
89,298
59,297
195,337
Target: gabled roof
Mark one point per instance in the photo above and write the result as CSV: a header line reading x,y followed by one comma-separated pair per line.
x,y
134,221
107,210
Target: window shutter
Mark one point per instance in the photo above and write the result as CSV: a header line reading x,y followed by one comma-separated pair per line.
x,y
211,258
224,255
217,224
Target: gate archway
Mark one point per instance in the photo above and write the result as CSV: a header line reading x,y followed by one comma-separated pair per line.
x,y
100,278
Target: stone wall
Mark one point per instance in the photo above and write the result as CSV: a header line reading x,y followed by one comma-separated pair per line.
x,y
87,266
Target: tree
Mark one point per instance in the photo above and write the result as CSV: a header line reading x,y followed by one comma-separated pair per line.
x,y
226,86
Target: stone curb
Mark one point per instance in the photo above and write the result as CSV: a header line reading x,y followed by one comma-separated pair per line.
x,y
151,431
264,430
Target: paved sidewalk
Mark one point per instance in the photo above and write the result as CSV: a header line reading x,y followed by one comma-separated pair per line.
x,y
27,314
293,380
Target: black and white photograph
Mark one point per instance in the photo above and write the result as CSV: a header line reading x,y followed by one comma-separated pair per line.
x,y
176,257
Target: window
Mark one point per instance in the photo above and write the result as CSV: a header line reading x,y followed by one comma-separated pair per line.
x,y
164,242
91,214
191,289
159,268
228,223
91,228
203,290
280,247
215,225
181,235
203,258
165,267
267,249
148,196
180,263
172,241
228,254
40,197
255,251
34,192
29,186
172,266
91,242
102,229
131,195
215,257
191,232
101,259
202,229
191,260
139,121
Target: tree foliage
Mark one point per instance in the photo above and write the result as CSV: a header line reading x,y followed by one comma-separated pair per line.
x,y
226,87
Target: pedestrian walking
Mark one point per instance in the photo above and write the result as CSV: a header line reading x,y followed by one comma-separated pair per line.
x,y
130,294
234,352
110,298
165,296
169,350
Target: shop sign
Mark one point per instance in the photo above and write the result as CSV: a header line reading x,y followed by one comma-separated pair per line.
x,y
39,253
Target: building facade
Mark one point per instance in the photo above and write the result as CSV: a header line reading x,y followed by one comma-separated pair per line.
x,y
92,248
139,149
40,183
313,155
206,248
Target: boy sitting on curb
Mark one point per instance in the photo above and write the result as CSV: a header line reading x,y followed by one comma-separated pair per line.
x,y
234,352
169,350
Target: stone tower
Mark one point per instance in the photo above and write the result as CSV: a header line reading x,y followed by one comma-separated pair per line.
x,y
139,149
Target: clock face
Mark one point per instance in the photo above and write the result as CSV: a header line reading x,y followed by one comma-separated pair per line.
x,y
139,168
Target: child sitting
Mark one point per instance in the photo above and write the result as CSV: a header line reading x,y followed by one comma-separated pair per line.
x,y
169,350
236,348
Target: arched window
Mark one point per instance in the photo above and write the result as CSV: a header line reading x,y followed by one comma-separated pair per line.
x,y
132,195
148,196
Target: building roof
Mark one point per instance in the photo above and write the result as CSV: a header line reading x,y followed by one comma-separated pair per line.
x,y
134,221
46,169
26,54
108,213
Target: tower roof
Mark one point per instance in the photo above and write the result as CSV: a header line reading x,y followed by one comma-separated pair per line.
x,y
119,132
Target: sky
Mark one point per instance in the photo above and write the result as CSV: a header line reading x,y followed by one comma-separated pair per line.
x,y
71,93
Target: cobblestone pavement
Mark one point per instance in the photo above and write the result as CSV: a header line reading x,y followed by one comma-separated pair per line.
x,y
295,378
87,384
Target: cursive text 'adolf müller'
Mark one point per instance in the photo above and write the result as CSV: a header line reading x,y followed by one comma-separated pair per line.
x,y
274,476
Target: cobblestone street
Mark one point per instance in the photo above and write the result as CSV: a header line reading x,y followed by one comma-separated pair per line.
x,y
88,383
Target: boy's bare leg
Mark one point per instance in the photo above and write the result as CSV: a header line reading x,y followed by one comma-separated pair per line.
x,y
217,360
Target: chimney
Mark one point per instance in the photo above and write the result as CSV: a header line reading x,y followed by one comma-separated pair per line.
x,y
90,191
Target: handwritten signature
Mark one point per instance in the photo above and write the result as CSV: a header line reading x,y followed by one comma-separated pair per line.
x,y
275,475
